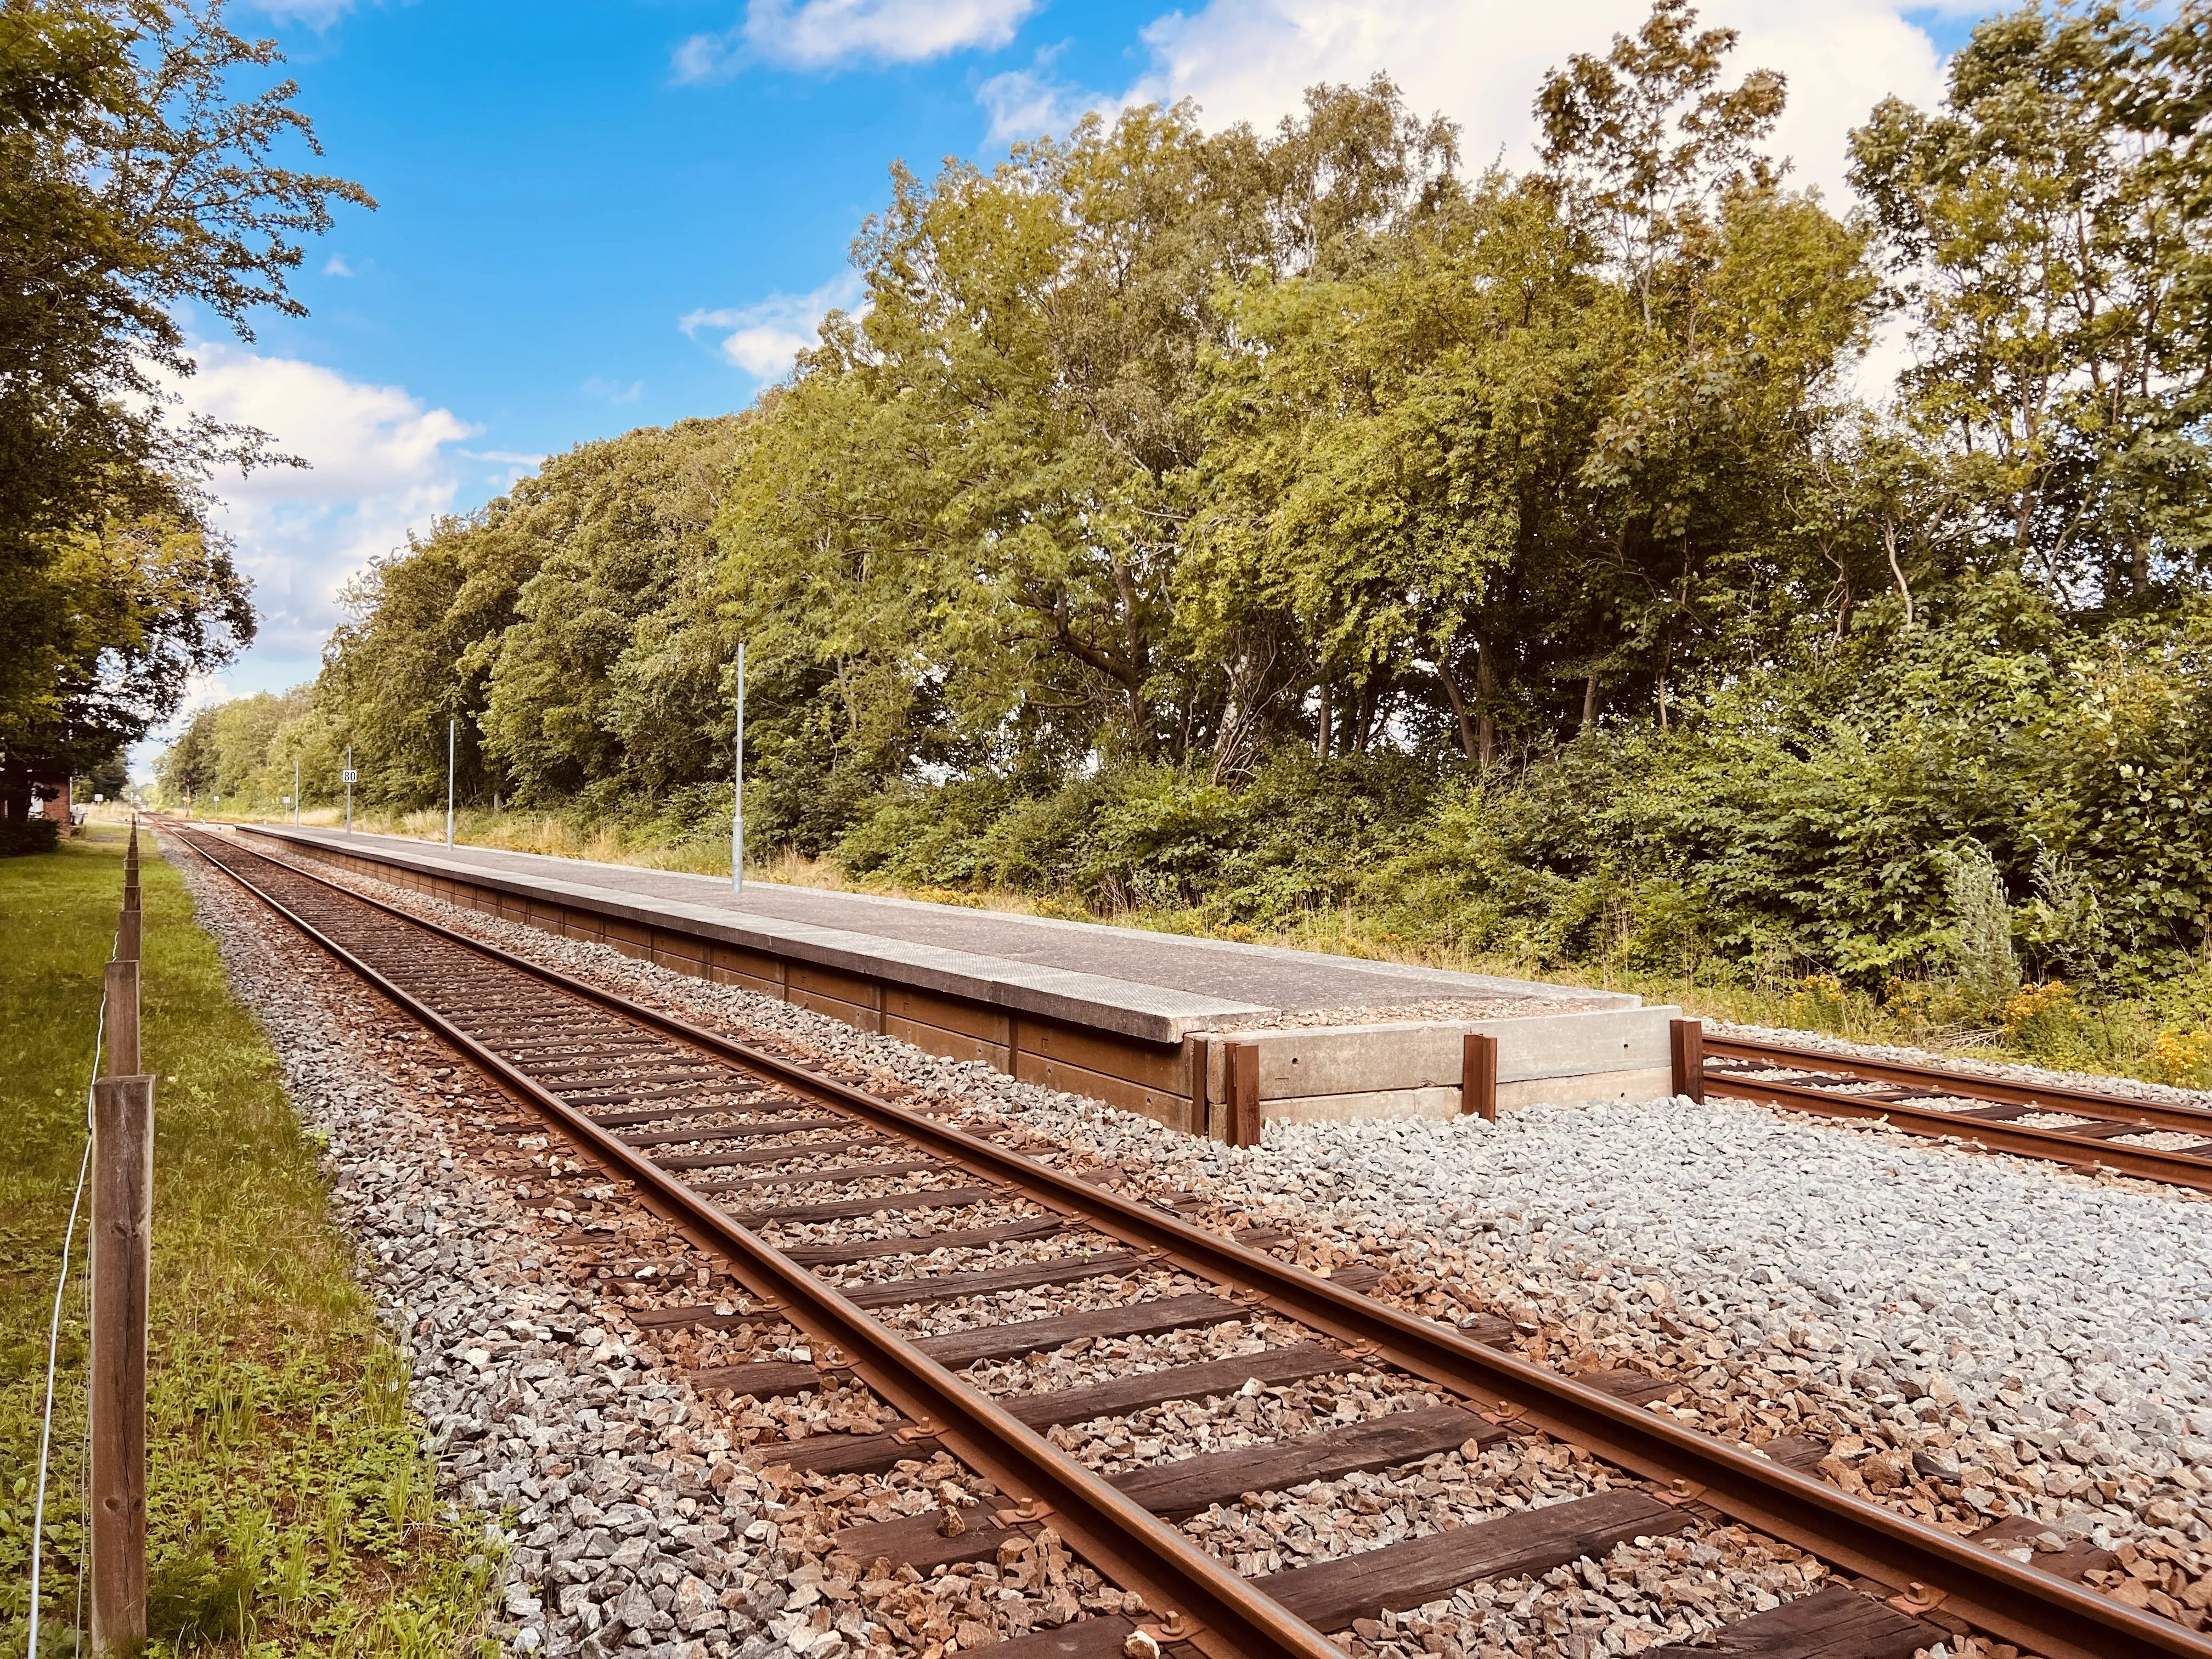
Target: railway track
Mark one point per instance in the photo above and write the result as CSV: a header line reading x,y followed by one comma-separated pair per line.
x,y
736,1146
2076,1127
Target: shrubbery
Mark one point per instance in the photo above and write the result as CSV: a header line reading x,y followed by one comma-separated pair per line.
x,y
20,836
1964,803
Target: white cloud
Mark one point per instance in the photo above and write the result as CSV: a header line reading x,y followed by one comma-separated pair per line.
x,y
828,33
613,390
507,465
1029,103
1480,61
708,58
337,266
379,465
762,338
317,14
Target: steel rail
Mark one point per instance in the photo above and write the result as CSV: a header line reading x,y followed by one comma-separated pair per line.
x,y
2052,1146
1222,1613
1929,1567
2156,1114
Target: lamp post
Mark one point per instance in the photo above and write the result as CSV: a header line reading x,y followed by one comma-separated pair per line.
x,y
295,792
348,776
737,800
450,726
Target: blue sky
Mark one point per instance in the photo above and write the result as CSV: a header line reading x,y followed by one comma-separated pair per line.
x,y
598,215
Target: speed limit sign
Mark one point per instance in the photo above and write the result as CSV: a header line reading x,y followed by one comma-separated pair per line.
x,y
349,776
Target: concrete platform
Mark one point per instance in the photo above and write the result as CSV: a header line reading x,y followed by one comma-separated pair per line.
x,y
1140,1020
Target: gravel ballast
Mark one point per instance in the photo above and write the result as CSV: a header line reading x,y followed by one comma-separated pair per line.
x,y
1977,1336
614,1522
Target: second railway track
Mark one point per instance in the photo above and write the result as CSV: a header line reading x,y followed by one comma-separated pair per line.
x,y
2151,1141
740,1148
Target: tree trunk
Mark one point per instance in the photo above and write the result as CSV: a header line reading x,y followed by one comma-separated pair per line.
x,y
1140,657
1485,685
1896,569
1320,726
1589,703
1460,712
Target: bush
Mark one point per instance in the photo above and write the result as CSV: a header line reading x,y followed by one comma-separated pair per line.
x,y
20,836
1989,972
1298,836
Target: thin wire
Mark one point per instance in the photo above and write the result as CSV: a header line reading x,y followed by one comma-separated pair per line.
x,y
84,1450
54,1327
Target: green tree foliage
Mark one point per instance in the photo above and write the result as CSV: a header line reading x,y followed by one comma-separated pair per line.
x,y
2047,227
107,633
134,180
613,668
1254,523
570,626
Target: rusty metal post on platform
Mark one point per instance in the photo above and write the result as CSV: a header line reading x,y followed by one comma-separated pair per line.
x,y
1686,1048
1244,1091
1478,1075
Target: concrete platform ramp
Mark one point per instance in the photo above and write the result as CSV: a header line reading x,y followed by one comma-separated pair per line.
x,y
1183,1030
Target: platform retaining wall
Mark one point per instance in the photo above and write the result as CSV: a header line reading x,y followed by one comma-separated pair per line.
x,y
1306,1074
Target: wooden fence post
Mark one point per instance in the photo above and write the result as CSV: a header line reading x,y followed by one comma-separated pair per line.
x,y
1243,1084
128,935
122,1217
1478,1075
1686,1048
120,1040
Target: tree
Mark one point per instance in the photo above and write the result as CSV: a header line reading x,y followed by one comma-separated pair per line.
x,y
129,613
1028,362
133,182
2046,229
610,669
416,651
1649,143
1391,450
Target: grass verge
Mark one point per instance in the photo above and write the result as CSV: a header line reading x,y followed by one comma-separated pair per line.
x,y
291,1509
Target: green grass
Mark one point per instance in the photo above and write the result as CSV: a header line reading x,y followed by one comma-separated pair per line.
x,y
291,1507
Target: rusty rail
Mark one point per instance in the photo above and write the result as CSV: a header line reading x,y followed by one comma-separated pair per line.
x,y
2058,1146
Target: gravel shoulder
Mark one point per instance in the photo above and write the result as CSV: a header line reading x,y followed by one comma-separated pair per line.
x,y
1976,1336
